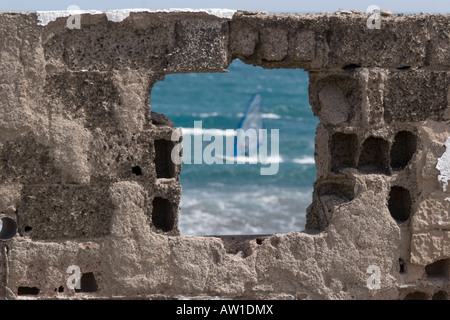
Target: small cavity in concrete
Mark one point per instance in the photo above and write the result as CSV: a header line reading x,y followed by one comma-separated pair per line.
x,y
399,203
163,217
403,149
165,167
344,151
374,156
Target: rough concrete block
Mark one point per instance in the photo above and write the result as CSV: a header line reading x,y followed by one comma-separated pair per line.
x,y
90,97
101,45
113,157
58,212
39,269
439,41
399,41
302,46
273,44
415,95
25,160
335,96
200,45
433,213
372,82
429,247
244,40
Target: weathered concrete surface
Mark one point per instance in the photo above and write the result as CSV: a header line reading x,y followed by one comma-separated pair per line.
x,y
85,165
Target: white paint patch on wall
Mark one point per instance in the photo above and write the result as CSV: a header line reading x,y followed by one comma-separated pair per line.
x,y
44,17
443,165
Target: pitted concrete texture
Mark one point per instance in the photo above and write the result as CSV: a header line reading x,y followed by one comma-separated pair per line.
x,y
86,170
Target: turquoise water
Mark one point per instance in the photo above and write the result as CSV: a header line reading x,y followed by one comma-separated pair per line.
x,y
236,198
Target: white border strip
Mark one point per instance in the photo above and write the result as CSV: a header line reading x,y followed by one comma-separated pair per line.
x,y
44,17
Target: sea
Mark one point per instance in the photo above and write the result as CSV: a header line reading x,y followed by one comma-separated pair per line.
x,y
236,199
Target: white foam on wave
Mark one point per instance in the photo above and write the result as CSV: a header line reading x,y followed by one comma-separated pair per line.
x,y
248,210
206,114
305,160
251,159
45,17
270,116
203,131
263,115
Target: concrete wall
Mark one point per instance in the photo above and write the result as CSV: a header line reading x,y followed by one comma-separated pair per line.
x,y
85,172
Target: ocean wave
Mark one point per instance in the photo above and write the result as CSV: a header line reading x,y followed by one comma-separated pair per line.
x,y
305,160
263,115
205,114
251,159
270,116
205,131
202,131
243,210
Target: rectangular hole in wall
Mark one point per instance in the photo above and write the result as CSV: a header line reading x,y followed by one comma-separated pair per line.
x,y
399,203
163,216
344,151
165,168
27,291
438,269
374,157
403,149
87,283
235,199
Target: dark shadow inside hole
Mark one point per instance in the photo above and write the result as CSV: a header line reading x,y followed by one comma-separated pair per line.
x,y
399,203
27,291
137,170
9,228
418,295
351,67
343,150
28,228
87,283
438,269
403,149
163,216
440,295
401,263
374,157
165,168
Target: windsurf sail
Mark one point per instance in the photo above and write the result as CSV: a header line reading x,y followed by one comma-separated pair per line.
x,y
244,141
